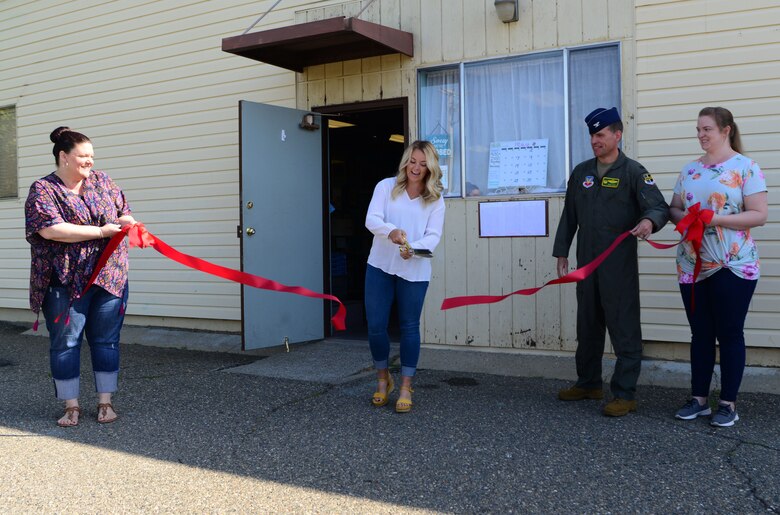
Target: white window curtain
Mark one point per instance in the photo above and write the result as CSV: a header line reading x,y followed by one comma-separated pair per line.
x,y
594,81
510,100
439,121
514,99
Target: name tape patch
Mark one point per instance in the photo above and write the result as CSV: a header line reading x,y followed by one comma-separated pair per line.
x,y
610,182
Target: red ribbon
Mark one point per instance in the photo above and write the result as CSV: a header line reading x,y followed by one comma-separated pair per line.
x,y
572,277
138,236
694,223
692,228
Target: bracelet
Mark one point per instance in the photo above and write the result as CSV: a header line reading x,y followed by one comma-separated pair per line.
x,y
100,230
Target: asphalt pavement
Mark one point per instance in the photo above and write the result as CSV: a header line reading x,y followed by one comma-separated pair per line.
x,y
295,433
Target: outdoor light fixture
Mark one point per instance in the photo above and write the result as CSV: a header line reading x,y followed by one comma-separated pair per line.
x,y
506,10
307,123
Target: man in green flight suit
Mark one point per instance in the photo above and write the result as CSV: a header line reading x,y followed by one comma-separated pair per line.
x,y
605,197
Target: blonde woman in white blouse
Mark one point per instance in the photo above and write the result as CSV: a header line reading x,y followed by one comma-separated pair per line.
x,y
406,212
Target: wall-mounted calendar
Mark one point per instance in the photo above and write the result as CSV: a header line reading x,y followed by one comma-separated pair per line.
x,y
518,163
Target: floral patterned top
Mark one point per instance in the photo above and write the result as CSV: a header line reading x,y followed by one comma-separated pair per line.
x,y
49,203
722,188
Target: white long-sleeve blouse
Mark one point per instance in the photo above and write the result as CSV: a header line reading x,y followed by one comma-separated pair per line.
x,y
423,223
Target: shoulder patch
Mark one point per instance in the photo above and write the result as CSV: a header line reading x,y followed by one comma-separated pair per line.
x,y
648,179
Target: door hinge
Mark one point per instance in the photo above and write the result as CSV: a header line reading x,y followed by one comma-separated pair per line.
x,y
238,231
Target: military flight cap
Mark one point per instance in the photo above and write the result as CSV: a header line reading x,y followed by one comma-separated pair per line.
x,y
600,118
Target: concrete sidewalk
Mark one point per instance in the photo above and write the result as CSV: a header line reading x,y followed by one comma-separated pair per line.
x,y
295,432
505,362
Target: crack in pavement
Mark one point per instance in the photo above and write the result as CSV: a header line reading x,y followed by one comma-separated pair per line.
x,y
752,487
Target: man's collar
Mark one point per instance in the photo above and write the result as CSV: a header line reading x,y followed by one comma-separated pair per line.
x,y
618,161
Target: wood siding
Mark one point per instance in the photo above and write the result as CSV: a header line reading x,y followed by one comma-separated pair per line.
x,y
692,54
159,99
451,31
149,84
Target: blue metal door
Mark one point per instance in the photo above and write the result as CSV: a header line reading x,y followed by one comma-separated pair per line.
x,y
282,231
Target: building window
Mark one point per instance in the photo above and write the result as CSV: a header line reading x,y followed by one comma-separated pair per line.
x,y
440,121
8,174
519,119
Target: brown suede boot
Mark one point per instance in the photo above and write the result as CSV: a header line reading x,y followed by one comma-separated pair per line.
x,y
575,393
618,407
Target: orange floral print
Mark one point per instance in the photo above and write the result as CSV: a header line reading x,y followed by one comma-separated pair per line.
x,y
709,265
734,249
716,201
732,179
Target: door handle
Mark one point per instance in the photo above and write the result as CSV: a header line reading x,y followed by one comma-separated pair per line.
x,y
250,231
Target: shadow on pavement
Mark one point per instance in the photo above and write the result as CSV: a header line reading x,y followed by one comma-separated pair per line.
x,y
473,442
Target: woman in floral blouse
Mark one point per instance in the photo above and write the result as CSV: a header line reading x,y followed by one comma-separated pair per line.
x,y
70,216
734,187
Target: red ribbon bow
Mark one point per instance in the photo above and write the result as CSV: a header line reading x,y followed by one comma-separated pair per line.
x,y
692,227
138,236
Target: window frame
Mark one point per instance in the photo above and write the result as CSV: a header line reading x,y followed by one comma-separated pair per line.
x,y
14,167
461,67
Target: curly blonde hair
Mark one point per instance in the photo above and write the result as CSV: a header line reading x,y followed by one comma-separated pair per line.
x,y
433,186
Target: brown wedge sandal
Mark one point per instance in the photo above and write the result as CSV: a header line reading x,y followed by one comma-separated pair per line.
x,y
69,413
103,410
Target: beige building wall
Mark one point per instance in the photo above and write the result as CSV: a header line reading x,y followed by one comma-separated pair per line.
x,y
692,54
151,86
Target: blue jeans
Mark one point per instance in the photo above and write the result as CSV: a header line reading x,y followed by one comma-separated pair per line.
x,y
721,305
98,314
381,290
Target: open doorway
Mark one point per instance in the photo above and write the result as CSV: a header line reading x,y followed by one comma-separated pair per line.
x,y
363,145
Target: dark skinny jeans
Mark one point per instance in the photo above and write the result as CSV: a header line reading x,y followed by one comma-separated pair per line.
x,y
721,305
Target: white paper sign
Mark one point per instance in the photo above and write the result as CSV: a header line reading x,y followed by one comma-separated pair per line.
x,y
513,218
518,163
441,142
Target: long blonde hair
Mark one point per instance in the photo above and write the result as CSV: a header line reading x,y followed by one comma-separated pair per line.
x,y
433,186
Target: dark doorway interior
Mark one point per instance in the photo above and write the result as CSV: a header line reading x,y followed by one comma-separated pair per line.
x,y
360,155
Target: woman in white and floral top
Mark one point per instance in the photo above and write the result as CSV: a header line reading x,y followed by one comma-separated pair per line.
x,y
733,186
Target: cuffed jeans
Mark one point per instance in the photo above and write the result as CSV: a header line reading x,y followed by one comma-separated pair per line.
x,y
98,314
381,290
721,305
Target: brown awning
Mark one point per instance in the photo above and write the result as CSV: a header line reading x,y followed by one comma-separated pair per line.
x,y
319,42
